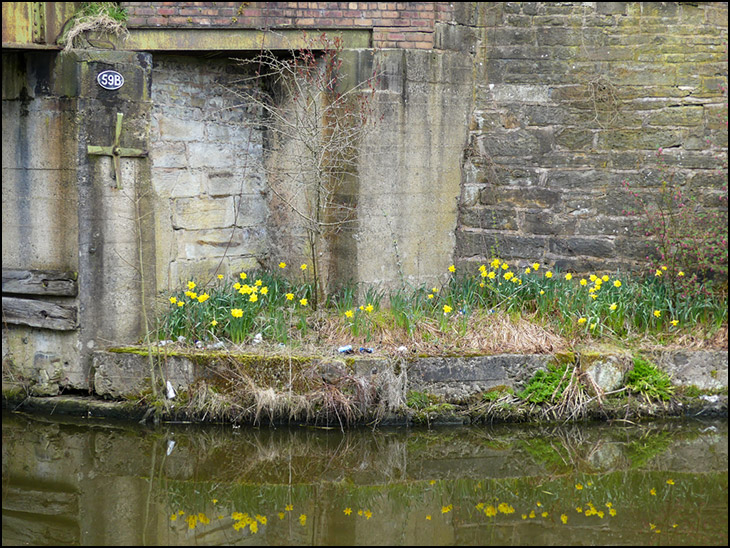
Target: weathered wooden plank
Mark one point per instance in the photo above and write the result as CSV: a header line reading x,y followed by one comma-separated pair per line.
x,y
40,282
37,313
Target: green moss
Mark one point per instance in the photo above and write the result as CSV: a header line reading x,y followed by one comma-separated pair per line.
x,y
496,392
565,358
546,385
646,379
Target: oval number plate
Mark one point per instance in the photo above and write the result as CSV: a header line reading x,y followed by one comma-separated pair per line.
x,y
110,79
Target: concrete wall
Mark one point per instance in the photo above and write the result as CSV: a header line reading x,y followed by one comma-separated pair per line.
x,y
65,211
571,99
39,202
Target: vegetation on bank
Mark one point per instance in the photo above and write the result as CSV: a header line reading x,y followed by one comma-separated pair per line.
x,y
499,306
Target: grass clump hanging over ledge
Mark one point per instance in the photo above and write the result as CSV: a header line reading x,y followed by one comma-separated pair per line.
x,y
107,18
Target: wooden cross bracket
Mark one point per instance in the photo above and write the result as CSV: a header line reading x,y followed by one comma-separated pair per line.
x,y
116,151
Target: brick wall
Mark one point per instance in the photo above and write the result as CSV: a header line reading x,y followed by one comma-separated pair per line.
x,y
394,24
571,100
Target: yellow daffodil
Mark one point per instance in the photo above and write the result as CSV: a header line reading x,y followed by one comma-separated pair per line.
x,y
303,267
658,313
535,266
243,275
173,300
548,274
664,268
578,485
303,302
430,295
191,285
428,517
508,275
214,323
237,313
220,276
652,492
583,281
542,292
617,283
347,511
568,276
447,309
180,303
349,313
202,298
581,321
680,273
674,323
505,266
670,481
282,264
492,275
564,519
658,273
369,308
289,507
303,519
452,268
613,307
527,270
290,296
253,298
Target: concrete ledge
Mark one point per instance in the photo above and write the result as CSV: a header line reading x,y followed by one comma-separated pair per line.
x,y
126,373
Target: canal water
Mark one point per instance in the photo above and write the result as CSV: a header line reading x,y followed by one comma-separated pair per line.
x,y
95,482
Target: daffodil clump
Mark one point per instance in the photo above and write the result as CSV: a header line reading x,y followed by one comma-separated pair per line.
x,y
237,309
571,305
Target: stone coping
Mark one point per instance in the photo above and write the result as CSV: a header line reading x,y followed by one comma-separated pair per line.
x,y
121,379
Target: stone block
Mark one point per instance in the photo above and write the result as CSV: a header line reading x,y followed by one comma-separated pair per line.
x,y
471,243
705,369
458,378
600,247
547,222
177,182
203,213
606,372
489,218
168,155
201,244
520,197
211,155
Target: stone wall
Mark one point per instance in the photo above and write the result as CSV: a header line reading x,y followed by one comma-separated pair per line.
x,y
572,99
206,162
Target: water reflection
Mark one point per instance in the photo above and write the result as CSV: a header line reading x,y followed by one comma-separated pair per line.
x,y
75,482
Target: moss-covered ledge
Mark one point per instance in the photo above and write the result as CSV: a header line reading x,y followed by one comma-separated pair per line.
x,y
337,389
